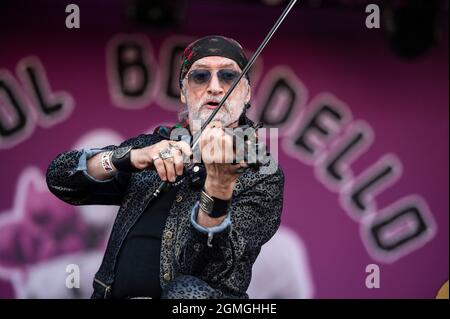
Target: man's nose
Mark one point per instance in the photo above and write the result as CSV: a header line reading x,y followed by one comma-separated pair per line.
x,y
215,87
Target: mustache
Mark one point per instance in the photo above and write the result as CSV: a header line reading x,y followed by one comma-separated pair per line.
x,y
214,99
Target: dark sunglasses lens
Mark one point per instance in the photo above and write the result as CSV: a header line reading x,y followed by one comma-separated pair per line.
x,y
227,76
200,76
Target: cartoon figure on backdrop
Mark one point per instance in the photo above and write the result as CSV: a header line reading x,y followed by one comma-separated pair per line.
x,y
284,260
40,235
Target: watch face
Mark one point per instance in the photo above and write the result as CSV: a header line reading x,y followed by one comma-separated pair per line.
x,y
122,151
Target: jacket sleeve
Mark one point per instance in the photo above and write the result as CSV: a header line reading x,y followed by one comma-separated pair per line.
x,y
226,263
67,177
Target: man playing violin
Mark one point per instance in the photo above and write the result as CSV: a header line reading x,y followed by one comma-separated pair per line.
x,y
196,239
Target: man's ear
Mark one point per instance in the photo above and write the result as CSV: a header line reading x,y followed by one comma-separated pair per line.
x,y
249,93
182,95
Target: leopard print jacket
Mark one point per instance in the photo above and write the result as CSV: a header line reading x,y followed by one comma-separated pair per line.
x,y
225,265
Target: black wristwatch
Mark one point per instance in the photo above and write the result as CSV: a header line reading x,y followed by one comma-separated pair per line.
x,y
121,159
213,206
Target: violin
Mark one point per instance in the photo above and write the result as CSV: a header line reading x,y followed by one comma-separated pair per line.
x,y
254,153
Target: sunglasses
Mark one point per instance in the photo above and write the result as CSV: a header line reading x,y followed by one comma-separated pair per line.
x,y
202,77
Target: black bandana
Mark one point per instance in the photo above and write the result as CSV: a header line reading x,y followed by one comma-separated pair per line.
x,y
212,46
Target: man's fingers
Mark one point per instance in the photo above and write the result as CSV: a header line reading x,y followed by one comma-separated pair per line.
x,y
212,144
160,168
212,129
182,147
178,162
227,143
170,169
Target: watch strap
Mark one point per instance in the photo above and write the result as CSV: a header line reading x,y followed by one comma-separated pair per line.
x,y
213,206
121,159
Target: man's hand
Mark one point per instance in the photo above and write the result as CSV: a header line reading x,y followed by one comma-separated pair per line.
x,y
221,174
168,169
218,154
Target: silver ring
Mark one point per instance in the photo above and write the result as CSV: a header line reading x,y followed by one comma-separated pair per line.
x,y
165,153
154,158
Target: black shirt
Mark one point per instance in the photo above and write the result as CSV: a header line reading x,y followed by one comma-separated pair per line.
x,y
137,268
